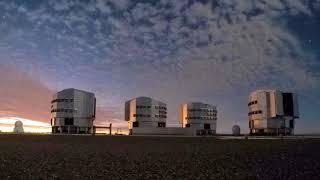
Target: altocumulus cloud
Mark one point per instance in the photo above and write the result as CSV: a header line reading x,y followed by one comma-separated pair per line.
x,y
175,50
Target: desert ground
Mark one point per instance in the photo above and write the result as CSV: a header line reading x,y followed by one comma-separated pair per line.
x,y
124,157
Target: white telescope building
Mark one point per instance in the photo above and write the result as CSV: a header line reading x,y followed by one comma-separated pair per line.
x,y
200,117
272,112
145,112
73,111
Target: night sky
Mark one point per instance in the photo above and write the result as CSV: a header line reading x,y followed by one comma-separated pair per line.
x,y
175,51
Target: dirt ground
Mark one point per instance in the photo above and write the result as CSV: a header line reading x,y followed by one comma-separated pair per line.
x,y
114,157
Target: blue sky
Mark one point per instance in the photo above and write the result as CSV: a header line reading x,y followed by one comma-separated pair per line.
x,y
176,51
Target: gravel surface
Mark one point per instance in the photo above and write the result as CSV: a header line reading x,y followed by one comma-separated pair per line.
x,y
103,157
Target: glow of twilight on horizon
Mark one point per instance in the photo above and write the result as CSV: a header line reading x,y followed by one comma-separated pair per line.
x,y
214,51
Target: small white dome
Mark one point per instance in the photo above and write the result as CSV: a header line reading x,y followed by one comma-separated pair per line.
x,y
236,130
18,127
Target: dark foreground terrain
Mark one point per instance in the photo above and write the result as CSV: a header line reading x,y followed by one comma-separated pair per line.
x,y
86,157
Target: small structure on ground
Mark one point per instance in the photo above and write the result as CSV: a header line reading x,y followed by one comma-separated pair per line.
x,y
18,127
236,130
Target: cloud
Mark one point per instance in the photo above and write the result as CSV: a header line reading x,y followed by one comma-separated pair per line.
x,y
121,4
59,5
297,7
201,10
102,6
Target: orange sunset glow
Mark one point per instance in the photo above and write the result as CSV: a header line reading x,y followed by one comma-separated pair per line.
x,y
29,126
27,99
